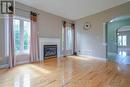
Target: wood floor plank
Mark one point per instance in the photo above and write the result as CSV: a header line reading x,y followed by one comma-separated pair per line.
x,y
67,72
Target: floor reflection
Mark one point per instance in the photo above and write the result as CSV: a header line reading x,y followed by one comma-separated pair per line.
x,y
123,56
22,80
122,53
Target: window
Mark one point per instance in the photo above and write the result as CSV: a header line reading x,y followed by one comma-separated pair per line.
x,y
21,35
26,36
16,25
122,40
63,38
69,38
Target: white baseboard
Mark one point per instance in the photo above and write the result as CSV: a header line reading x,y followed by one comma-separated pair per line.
x,y
23,62
98,58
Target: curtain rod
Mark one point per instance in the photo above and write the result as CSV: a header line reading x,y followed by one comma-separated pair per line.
x,y
68,22
25,10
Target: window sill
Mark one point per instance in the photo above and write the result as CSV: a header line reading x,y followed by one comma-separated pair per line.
x,y
22,54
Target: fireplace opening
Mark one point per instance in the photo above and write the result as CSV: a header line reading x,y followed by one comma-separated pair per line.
x,y
50,51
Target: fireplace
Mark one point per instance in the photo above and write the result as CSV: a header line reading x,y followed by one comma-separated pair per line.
x,y
49,41
50,51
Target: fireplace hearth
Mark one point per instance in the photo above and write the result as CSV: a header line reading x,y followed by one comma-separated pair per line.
x,y
50,51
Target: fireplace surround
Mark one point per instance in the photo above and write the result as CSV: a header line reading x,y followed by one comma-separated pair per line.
x,y
49,41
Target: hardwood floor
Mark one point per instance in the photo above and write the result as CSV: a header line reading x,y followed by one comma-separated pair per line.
x,y
67,72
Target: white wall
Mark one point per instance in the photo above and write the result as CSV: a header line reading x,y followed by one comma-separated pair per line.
x,y
92,42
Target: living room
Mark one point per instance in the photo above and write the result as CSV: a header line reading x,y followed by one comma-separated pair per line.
x,y
64,43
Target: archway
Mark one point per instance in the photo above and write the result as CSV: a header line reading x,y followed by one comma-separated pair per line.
x,y
111,35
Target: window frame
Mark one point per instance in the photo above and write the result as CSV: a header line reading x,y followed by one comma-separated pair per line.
x,y
121,43
21,19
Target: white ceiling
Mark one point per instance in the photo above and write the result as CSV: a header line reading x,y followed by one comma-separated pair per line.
x,y
73,9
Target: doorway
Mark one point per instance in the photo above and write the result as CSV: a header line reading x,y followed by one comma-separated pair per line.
x,y
21,28
116,41
123,44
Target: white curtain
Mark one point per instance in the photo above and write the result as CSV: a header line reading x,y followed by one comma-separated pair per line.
x,y
12,59
34,51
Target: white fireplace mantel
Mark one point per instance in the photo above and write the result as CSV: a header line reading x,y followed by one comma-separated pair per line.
x,y
48,41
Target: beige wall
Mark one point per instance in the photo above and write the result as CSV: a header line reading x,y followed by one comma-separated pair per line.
x,y
50,25
92,42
